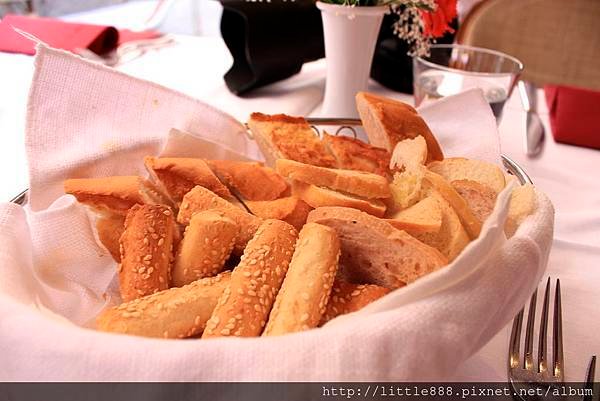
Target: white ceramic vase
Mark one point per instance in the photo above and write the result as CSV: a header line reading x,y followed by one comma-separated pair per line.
x,y
350,37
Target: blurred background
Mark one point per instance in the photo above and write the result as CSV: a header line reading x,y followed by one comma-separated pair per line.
x,y
188,17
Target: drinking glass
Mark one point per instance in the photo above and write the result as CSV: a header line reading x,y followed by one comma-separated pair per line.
x,y
451,69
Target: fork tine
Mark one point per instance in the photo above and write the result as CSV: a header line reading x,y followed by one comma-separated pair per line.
x,y
528,361
557,340
589,379
515,340
543,340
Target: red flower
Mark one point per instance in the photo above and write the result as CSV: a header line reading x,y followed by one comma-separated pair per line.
x,y
437,22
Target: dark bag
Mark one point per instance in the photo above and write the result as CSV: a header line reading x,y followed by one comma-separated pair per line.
x,y
269,41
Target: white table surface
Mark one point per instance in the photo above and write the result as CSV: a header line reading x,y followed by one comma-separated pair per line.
x,y
569,175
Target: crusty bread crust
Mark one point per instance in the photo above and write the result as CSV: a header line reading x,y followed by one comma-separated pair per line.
x,y
290,209
109,231
146,251
366,185
200,199
459,168
468,219
252,180
179,175
173,313
319,197
354,154
207,244
301,302
282,136
347,297
480,198
374,252
245,305
114,194
387,122
425,216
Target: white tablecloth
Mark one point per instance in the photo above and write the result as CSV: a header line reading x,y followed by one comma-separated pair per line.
x,y
569,175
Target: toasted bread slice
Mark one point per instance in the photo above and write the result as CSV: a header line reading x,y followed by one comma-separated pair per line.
x,y
354,154
291,209
252,180
458,168
178,175
451,238
318,197
471,223
409,154
481,199
366,185
283,137
116,195
406,189
374,252
387,122
424,216
522,203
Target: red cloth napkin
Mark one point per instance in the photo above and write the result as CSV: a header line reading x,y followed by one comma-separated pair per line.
x,y
574,115
63,35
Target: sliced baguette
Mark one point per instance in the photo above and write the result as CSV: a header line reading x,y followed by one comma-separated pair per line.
x,y
471,223
354,154
114,195
451,238
319,197
409,154
200,199
424,216
178,175
358,183
406,189
481,199
387,122
522,203
252,180
374,252
291,209
283,137
458,168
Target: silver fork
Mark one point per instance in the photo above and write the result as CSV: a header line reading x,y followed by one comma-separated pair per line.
x,y
525,377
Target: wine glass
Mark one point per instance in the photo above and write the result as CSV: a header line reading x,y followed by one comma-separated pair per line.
x,y
451,69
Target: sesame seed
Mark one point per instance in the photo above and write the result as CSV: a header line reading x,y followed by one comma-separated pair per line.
x,y
355,293
305,296
252,293
161,241
225,332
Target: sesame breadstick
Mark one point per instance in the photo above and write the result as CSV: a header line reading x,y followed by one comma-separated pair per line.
x,y
245,304
206,246
146,251
200,199
173,313
303,297
346,298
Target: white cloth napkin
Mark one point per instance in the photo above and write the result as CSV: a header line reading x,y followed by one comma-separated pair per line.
x,y
85,120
